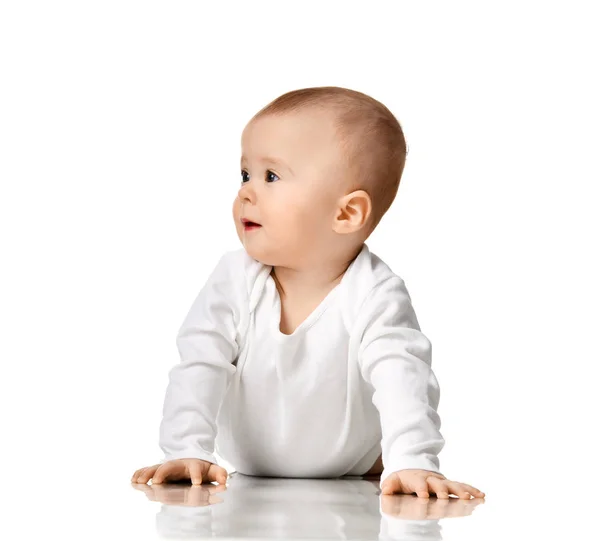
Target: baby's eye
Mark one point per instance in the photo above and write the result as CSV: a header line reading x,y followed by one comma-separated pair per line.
x,y
271,173
268,173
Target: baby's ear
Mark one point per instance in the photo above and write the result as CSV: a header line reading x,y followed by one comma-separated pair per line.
x,y
354,210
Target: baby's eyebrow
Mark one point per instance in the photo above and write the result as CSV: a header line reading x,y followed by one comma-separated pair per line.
x,y
274,161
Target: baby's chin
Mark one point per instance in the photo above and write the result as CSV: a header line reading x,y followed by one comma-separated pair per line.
x,y
260,252
253,248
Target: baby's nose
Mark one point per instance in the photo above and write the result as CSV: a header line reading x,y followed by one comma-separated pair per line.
x,y
245,193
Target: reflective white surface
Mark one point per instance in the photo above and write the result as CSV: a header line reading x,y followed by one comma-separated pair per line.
x,y
105,507
299,509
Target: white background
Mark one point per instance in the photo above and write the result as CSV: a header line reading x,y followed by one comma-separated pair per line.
x,y
120,127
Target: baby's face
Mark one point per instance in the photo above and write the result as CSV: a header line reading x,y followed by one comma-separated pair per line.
x,y
294,197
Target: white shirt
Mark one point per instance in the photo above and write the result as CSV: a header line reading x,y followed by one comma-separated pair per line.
x,y
354,378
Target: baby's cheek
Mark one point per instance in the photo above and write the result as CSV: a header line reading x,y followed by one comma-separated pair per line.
x,y
288,222
235,211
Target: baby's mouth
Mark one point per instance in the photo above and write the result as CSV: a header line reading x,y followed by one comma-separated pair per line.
x,y
251,225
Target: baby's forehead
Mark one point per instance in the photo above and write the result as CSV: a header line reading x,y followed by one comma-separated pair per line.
x,y
287,120
301,130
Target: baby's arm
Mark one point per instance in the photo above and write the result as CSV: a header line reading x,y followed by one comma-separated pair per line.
x,y
395,358
207,346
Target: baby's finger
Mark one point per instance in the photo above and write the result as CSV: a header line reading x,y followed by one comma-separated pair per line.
x,y
195,470
421,487
162,472
136,474
217,473
459,489
147,474
475,491
439,487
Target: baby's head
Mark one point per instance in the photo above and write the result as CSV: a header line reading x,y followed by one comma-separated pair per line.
x,y
320,167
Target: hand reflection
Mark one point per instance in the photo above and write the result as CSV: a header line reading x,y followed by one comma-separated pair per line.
x,y
411,507
182,493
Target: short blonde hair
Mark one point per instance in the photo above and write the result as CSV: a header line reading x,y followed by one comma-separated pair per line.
x,y
371,139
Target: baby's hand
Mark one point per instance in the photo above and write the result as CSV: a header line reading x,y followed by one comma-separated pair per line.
x,y
199,471
423,482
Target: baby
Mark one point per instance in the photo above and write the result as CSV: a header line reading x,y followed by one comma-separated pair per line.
x,y
302,356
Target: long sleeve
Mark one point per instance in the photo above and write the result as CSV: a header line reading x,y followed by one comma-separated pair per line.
x,y
395,358
207,347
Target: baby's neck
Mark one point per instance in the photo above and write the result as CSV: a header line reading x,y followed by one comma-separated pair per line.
x,y
297,289
297,284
